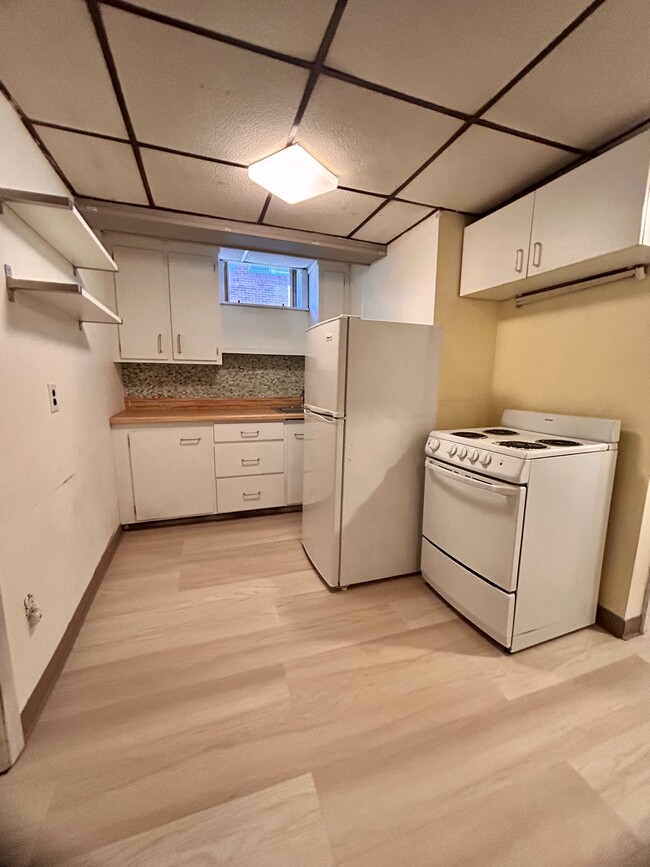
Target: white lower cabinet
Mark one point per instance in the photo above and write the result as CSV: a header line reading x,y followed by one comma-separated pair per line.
x,y
172,472
167,471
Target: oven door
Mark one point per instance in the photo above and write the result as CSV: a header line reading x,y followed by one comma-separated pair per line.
x,y
476,520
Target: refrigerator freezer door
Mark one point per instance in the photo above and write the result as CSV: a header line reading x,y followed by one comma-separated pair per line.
x,y
321,511
325,366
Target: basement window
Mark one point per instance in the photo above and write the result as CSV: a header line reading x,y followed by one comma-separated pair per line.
x,y
264,285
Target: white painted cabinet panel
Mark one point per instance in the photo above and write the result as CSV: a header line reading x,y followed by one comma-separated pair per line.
x,y
294,432
495,249
172,472
248,459
255,492
591,211
142,297
195,309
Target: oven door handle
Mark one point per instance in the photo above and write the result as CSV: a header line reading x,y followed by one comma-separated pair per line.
x,y
499,490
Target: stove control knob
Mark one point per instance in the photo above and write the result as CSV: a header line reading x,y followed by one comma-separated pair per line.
x,y
432,446
452,451
474,456
486,459
462,454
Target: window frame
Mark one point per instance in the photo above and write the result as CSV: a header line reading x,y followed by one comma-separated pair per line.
x,y
223,286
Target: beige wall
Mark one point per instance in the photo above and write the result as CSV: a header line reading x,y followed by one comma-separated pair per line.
x,y
57,477
589,354
469,337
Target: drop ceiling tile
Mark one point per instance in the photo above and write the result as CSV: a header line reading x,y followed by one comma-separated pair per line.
x,y
202,187
192,93
335,213
370,141
96,168
593,86
457,54
52,64
483,168
392,220
293,27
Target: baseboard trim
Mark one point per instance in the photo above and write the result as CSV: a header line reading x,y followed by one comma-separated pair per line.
x,y
617,625
208,519
37,700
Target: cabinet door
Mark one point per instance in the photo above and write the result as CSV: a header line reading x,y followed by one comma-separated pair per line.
x,y
142,296
173,472
593,210
194,298
294,431
495,249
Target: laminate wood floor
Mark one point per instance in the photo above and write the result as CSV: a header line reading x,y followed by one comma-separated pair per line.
x,y
222,707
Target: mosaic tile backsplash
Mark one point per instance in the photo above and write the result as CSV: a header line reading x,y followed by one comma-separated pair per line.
x,y
238,376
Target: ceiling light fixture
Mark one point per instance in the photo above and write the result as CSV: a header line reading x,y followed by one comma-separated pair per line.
x,y
293,175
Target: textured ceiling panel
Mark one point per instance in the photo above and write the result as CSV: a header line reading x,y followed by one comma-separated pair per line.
x,y
191,93
51,62
202,187
593,86
96,168
293,27
336,213
483,168
457,54
370,141
392,220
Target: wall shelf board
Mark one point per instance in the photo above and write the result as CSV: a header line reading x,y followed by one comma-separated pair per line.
x,y
69,297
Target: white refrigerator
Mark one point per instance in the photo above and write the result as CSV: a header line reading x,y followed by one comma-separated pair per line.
x,y
371,391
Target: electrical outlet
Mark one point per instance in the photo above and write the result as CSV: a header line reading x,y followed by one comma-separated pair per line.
x,y
54,397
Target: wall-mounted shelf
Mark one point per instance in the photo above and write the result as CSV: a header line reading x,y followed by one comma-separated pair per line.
x,y
71,298
58,222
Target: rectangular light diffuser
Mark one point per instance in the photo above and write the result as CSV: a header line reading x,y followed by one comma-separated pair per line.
x,y
292,175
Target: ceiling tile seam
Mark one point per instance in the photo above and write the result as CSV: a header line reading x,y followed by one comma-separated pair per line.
x,y
417,223
29,126
441,149
47,124
206,32
225,219
100,30
314,72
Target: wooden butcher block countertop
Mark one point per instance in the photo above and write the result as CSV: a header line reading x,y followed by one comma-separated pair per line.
x,y
171,411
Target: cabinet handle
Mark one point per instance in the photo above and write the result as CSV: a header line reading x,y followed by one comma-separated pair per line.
x,y
537,254
249,434
187,441
519,260
250,462
178,344
254,496
160,344
299,436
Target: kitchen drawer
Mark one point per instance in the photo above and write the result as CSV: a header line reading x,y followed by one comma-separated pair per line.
x,y
255,492
249,459
247,431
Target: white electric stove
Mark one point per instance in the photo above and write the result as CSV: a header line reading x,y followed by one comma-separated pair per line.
x,y
514,522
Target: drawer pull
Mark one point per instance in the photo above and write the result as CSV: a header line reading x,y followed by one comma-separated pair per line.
x,y
193,441
254,496
299,436
249,434
250,462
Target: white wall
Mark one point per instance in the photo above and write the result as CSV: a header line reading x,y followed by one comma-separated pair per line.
x,y
59,500
401,287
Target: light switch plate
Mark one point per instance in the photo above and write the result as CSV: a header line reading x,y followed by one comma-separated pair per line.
x,y
54,397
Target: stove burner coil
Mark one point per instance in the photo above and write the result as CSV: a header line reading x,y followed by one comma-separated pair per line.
x,y
559,442
501,431
521,444
469,434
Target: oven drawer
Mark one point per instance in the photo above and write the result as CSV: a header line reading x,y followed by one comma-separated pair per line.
x,y
249,459
476,520
489,608
254,492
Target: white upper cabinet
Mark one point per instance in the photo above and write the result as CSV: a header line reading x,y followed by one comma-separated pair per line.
x,y
495,249
194,299
143,303
587,222
170,306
